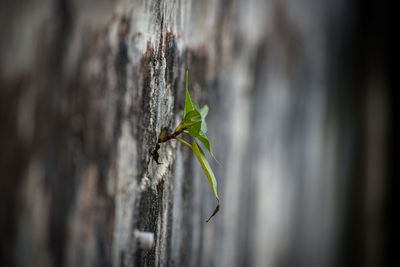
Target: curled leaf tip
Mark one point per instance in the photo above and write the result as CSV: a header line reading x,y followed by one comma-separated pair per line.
x,y
215,212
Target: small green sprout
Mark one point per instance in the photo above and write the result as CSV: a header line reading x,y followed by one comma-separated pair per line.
x,y
194,124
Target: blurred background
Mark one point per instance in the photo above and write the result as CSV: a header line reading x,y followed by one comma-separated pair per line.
x,y
302,118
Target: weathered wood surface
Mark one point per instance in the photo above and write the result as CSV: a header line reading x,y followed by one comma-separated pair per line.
x,y
87,86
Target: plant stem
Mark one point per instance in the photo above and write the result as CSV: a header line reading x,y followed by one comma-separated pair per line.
x,y
183,142
177,132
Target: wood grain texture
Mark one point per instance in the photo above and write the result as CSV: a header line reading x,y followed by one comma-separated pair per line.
x,y
299,117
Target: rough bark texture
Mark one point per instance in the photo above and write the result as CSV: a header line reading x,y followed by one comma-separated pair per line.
x,y
299,117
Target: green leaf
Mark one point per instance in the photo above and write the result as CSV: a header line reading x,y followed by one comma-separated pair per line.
x,y
188,101
203,126
193,122
192,117
204,111
197,115
194,129
206,167
202,137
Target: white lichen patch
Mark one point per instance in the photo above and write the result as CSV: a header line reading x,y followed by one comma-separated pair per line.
x,y
158,172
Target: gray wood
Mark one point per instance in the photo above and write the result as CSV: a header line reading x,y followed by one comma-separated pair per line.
x,y
87,87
